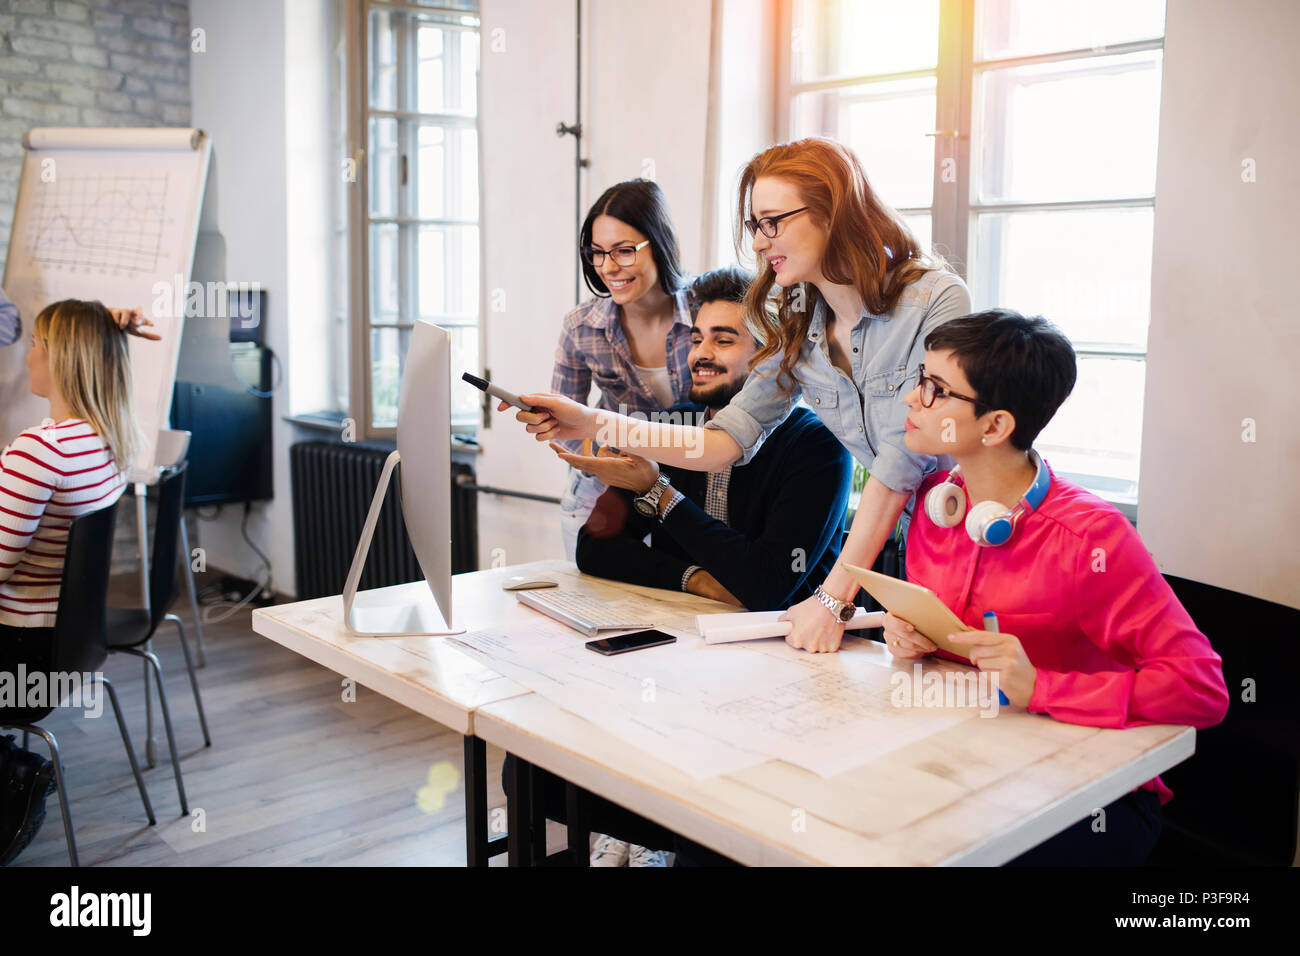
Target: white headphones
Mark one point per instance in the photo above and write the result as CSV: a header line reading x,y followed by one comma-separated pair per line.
x,y
989,522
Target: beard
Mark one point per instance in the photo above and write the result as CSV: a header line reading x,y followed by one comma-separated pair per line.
x,y
716,395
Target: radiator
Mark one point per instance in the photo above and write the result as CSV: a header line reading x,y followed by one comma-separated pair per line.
x,y
332,485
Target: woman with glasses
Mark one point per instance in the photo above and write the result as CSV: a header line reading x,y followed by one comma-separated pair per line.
x,y
632,339
857,297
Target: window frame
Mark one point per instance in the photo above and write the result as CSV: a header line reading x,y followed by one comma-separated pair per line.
x,y
360,113
954,211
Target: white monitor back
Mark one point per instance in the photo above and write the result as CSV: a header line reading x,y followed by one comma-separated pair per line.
x,y
424,452
424,442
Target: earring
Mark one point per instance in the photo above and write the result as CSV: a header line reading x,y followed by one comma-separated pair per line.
x,y
984,441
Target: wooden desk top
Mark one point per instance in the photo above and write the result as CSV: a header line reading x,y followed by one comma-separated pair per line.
x,y
422,673
980,793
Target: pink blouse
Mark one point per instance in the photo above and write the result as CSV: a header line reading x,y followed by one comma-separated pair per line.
x,y
1112,645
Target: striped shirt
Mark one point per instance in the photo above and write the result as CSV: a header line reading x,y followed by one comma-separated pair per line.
x,y
48,476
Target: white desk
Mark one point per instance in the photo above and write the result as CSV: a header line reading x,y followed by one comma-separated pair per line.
x,y
980,792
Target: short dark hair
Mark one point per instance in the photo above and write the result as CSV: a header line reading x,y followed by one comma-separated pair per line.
x,y
642,205
728,284
1023,364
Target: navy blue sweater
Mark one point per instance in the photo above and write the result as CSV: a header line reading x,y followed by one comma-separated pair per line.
x,y
786,508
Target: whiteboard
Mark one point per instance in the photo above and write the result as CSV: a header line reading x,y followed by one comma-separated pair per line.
x,y
108,214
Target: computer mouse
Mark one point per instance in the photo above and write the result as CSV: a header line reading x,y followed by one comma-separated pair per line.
x,y
522,582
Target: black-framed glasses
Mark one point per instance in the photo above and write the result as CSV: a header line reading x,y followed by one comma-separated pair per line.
x,y
768,224
623,255
932,390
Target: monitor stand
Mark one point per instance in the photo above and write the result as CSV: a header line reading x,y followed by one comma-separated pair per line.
x,y
421,617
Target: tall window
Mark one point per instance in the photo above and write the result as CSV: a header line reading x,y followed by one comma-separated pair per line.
x,y
1019,137
420,237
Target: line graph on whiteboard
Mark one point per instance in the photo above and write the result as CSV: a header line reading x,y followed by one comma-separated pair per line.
x,y
109,221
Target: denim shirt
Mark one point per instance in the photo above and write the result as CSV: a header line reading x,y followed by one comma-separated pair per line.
x,y
865,412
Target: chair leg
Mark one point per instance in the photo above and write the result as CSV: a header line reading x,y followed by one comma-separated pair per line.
x,y
150,758
151,660
63,790
188,573
194,681
130,749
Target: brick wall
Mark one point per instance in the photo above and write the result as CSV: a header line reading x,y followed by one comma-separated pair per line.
x,y
87,63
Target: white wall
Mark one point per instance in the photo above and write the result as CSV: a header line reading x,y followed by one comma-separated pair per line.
x,y
1224,343
238,95
645,96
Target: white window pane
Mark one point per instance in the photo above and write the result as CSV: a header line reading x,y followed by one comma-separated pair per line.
x,y
464,358
387,356
465,201
385,157
1089,271
384,294
1007,28
1079,129
863,37
448,277
431,173
886,125
469,71
433,273
1097,433
920,226
383,59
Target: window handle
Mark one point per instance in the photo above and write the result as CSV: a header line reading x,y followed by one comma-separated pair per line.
x,y
403,174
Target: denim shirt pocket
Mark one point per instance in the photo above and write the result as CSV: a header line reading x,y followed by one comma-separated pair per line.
x,y
825,402
887,384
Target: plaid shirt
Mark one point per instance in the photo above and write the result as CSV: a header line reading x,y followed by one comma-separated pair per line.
x,y
593,348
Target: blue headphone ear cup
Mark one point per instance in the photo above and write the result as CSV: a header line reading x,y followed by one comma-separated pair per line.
x,y
989,523
945,504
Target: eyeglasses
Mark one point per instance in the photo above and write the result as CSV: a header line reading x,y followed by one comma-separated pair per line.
x,y
768,224
623,255
931,390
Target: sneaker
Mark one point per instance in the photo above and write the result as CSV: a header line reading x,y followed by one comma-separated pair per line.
x,y
609,852
640,856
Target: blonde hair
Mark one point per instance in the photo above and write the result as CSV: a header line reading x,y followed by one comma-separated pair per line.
x,y
90,365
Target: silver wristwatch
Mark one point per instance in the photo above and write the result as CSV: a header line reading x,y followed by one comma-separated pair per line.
x,y
842,610
648,503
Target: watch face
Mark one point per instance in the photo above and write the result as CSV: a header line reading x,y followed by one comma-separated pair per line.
x,y
847,613
644,507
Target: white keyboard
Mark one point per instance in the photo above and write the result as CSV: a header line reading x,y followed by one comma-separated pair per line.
x,y
579,611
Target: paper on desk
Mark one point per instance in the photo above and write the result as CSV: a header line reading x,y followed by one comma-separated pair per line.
x,y
753,625
722,711
619,695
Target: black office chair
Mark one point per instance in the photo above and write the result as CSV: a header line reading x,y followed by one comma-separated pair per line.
x,y
76,644
1237,800
129,629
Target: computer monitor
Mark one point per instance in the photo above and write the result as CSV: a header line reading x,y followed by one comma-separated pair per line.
x,y
423,463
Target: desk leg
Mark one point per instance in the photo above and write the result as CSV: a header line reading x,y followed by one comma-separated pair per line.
x,y
575,799
537,815
520,786
479,846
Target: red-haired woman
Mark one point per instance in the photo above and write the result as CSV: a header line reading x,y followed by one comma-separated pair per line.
x,y
857,298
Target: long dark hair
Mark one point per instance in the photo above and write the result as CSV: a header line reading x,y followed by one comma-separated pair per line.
x,y
641,204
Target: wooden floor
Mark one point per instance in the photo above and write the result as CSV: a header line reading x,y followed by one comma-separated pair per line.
x,y
294,776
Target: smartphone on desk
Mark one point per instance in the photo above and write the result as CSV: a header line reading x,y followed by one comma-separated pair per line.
x,y
636,641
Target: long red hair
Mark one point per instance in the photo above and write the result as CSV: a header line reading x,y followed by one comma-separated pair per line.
x,y
869,246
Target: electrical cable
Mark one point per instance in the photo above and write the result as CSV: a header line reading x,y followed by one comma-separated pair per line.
x,y
209,615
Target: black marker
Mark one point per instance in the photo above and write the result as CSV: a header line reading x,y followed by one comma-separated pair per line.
x,y
484,385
